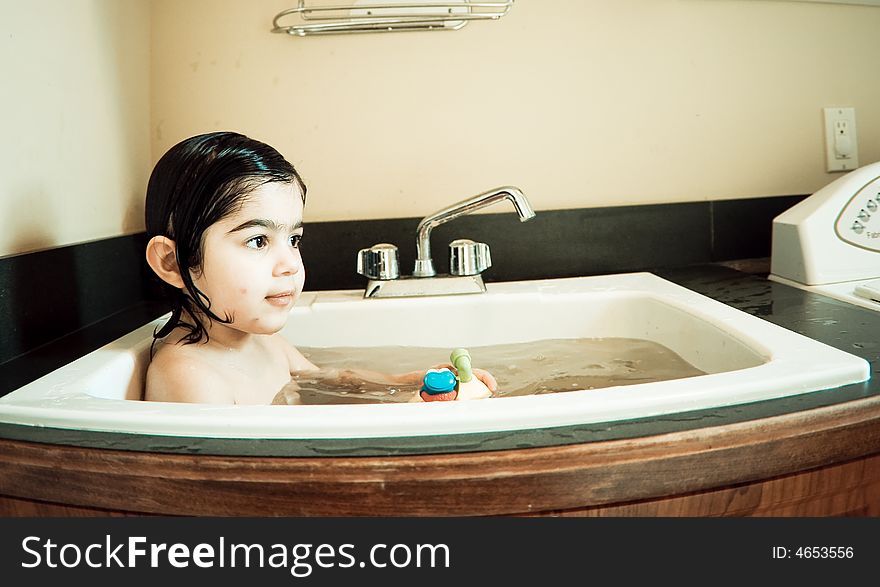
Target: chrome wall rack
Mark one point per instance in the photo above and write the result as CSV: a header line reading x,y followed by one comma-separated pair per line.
x,y
385,17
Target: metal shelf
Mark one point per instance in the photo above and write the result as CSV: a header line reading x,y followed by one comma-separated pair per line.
x,y
385,17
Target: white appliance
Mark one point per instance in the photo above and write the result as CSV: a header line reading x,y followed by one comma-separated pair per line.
x,y
830,242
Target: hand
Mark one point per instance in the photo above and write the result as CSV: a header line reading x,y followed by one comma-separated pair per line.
x,y
288,396
486,378
416,377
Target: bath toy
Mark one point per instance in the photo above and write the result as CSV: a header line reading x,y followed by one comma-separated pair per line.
x,y
469,387
439,385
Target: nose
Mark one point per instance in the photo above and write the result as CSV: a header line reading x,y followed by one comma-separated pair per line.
x,y
289,261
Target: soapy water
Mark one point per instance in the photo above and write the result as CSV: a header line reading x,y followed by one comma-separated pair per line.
x,y
530,368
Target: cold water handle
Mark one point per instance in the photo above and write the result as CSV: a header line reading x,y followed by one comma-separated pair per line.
x,y
379,262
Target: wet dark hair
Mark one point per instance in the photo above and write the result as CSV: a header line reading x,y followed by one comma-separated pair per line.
x,y
197,183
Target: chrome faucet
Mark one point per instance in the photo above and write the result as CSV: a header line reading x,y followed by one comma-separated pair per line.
x,y
424,265
468,259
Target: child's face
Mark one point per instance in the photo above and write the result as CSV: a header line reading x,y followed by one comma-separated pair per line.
x,y
252,269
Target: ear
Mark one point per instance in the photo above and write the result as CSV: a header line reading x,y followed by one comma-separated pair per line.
x,y
162,259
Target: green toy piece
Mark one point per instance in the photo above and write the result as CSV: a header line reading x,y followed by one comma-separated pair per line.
x,y
461,360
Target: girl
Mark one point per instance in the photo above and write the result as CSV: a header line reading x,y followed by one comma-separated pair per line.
x,y
224,223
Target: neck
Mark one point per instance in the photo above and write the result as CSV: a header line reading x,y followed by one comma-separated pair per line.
x,y
228,338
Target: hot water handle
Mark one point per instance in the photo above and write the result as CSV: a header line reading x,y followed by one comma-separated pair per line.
x,y
467,257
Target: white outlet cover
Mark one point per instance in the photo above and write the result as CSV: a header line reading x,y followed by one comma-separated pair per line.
x,y
832,117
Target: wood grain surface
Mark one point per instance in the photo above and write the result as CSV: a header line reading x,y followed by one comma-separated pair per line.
x,y
819,462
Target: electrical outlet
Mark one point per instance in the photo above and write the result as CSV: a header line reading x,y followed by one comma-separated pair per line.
x,y
841,142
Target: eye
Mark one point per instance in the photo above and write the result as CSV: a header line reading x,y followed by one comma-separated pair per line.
x,y
295,240
258,242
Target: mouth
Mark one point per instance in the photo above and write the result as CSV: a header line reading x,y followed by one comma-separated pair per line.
x,y
283,298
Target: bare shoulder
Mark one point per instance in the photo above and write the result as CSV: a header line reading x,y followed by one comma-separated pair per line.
x,y
178,374
297,361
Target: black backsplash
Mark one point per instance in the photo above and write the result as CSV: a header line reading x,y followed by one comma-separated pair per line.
x,y
50,294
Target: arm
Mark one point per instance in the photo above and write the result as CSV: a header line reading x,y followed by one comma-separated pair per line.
x,y
299,363
353,377
296,359
356,377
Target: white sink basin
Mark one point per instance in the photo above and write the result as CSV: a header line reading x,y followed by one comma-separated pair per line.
x,y
746,359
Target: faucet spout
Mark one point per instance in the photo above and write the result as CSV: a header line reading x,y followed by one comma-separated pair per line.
x,y
424,265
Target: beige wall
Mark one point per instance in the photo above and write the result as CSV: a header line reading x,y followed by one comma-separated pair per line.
x,y
578,102
74,115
